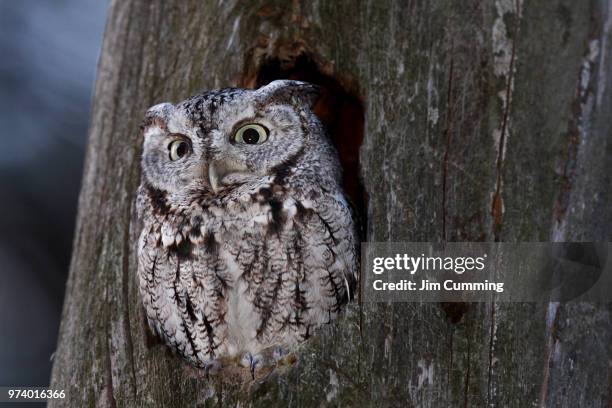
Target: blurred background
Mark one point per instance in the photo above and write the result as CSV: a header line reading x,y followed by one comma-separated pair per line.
x,y
48,55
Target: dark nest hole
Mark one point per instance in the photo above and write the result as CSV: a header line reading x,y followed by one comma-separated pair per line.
x,y
338,109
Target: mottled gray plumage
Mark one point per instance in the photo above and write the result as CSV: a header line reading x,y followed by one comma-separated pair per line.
x,y
248,243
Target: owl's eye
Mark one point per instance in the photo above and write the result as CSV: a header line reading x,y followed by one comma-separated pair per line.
x,y
178,149
251,134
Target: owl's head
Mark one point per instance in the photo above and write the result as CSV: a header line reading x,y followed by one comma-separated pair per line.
x,y
220,139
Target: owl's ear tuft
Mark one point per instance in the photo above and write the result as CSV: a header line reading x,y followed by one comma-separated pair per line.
x,y
156,116
286,90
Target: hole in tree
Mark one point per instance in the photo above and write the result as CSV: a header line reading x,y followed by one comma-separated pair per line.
x,y
339,110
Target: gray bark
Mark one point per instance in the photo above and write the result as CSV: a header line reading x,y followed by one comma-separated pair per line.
x,y
484,120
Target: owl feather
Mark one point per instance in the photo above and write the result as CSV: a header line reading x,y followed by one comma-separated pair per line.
x,y
248,241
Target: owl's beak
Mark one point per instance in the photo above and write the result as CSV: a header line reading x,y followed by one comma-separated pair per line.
x,y
214,176
217,169
210,177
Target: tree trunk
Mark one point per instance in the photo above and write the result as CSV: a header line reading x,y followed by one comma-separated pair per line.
x,y
484,120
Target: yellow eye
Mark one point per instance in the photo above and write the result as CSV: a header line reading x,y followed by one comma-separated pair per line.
x,y
178,149
251,134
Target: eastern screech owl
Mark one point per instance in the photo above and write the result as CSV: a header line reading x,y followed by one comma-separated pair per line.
x,y
248,243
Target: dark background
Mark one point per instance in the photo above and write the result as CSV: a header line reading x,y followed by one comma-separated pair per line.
x,y
48,55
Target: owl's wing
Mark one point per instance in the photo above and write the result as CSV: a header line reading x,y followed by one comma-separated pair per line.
x,y
198,290
300,266
180,299
332,250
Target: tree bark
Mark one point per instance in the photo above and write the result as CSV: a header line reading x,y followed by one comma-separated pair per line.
x,y
484,120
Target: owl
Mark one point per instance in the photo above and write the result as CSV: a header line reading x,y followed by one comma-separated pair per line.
x,y
248,243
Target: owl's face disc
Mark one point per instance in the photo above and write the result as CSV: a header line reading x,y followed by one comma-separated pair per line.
x,y
218,140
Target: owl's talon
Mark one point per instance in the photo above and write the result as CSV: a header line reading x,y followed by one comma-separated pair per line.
x,y
245,361
251,362
278,354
